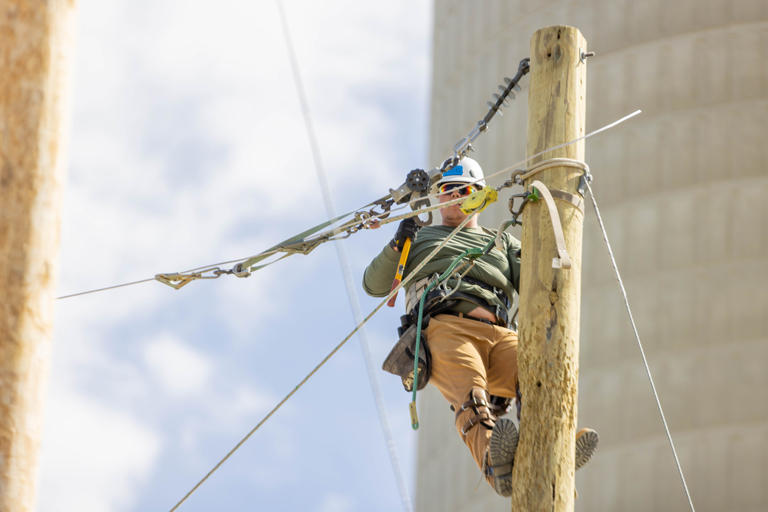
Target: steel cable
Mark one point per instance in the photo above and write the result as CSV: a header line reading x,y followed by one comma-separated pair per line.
x,y
341,253
639,344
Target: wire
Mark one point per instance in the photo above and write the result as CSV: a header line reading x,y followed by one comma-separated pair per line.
x,y
338,229
104,289
341,253
639,344
506,169
336,349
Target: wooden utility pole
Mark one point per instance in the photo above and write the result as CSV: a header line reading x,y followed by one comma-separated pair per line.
x,y
36,40
550,299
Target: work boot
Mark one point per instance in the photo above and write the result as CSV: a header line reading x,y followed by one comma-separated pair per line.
x,y
586,438
586,444
500,456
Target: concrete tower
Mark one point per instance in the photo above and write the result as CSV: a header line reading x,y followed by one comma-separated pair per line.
x,y
684,192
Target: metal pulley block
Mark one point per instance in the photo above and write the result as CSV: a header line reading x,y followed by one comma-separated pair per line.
x,y
418,180
403,193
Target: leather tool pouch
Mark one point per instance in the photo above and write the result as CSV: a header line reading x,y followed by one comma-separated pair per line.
x,y
400,360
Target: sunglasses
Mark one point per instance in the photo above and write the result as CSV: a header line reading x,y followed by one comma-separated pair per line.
x,y
464,190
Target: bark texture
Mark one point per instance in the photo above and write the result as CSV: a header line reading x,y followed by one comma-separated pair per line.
x,y
548,352
36,40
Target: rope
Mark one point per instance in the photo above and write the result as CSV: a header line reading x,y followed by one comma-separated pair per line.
x,y
335,349
274,250
550,163
341,253
639,344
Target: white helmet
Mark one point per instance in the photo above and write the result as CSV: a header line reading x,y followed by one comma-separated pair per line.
x,y
466,171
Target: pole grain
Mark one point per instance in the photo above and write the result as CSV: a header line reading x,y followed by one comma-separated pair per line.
x,y
36,42
550,299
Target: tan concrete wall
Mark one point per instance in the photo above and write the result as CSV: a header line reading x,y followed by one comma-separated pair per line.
x,y
684,192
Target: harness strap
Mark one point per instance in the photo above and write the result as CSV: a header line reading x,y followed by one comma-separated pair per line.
x,y
437,302
483,418
485,412
563,260
568,198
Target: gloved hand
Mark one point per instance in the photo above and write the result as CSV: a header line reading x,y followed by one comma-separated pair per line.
x,y
407,229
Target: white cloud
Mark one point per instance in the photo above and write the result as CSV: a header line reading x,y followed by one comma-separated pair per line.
x,y
187,148
181,370
95,457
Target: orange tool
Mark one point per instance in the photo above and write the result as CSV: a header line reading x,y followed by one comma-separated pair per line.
x,y
400,270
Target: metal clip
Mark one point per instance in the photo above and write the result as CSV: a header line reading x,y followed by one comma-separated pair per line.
x,y
585,178
184,279
519,211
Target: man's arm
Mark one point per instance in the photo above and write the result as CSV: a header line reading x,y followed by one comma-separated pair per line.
x,y
378,277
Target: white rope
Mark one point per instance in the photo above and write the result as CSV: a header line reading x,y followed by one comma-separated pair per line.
x,y
639,344
336,349
550,163
354,302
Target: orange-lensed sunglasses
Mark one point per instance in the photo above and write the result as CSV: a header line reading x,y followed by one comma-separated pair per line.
x,y
447,188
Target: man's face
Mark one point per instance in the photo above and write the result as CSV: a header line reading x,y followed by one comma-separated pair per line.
x,y
452,215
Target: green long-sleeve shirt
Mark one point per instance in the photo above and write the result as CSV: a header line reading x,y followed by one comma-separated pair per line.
x,y
500,269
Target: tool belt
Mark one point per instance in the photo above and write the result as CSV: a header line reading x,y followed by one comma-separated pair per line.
x,y
400,360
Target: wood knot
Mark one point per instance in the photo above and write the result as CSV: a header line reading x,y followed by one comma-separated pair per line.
x,y
553,297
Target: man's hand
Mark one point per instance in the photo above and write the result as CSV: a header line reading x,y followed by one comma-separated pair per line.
x,y
407,229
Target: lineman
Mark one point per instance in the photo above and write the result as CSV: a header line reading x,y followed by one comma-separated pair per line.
x,y
471,351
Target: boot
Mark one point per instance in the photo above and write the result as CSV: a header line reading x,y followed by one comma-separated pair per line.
x,y
586,444
500,457
586,438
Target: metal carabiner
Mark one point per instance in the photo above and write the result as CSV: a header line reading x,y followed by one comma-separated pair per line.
x,y
450,291
519,211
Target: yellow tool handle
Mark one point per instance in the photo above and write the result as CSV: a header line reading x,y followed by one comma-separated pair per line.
x,y
400,270
414,416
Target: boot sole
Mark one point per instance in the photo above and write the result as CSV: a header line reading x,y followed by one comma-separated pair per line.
x,y
502,449
586,444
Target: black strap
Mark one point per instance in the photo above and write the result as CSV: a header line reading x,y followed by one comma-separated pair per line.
x,y
498,292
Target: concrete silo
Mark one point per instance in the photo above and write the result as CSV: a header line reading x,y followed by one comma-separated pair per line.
x,y
684,193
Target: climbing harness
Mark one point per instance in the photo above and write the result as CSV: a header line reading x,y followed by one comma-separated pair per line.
x,y
471,255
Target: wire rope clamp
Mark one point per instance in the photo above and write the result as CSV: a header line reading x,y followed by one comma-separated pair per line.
x,y
479,201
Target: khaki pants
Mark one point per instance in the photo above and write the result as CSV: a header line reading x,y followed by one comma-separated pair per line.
x,y
468,354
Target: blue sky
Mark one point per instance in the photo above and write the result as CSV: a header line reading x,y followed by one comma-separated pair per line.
x,y
187,148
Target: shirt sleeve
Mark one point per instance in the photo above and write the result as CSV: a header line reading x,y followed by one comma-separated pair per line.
x,y
378,277
514,261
